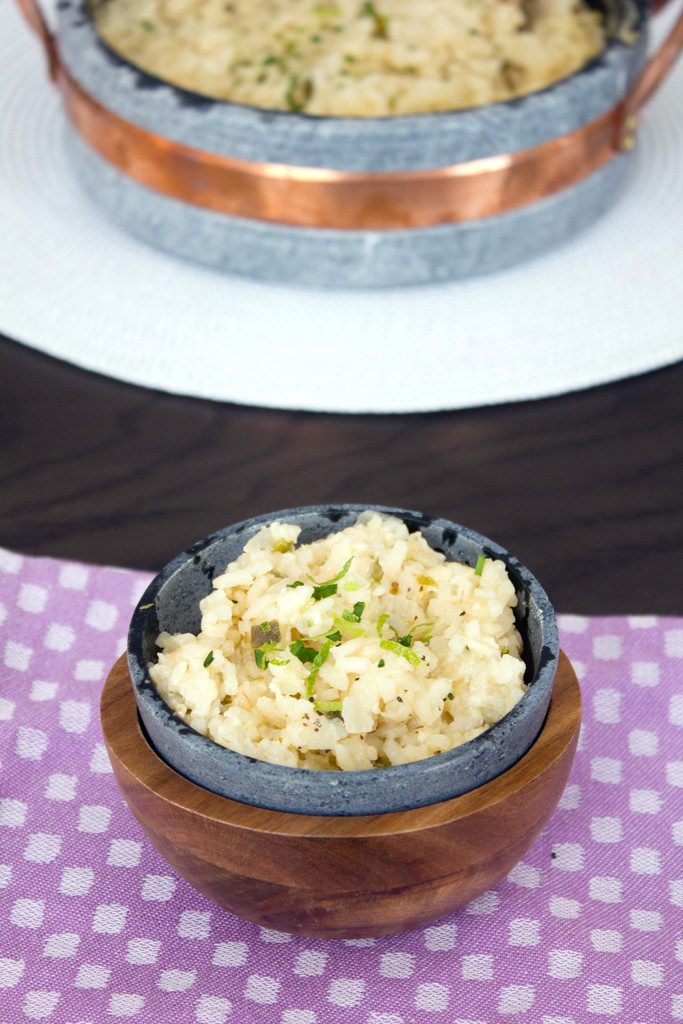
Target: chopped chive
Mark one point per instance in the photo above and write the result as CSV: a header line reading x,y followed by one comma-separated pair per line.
x,y
356,614
327,705
381,622
318,662
329,587
208,659
381,663
335,637
396,648
381,22
449,696
479,567
295,584
301,651
144,607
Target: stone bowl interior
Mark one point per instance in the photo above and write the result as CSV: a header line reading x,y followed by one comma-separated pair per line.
x,y
171,603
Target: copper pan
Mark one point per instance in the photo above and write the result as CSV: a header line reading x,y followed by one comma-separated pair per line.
x,y
324,198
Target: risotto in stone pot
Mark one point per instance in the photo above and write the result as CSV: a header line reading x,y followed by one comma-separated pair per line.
x,y
356,58
361,650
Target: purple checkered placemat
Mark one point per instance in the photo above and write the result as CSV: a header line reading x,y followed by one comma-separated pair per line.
x,y
95,926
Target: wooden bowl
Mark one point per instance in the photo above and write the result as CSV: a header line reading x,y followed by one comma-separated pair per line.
x,y
342,877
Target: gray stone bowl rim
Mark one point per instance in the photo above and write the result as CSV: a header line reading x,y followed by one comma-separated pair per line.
x,y
399,119
266,772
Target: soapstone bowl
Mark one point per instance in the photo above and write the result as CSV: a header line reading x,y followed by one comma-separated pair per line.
x,y
171,603
274,249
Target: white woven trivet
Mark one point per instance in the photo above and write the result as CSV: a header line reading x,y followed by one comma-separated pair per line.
x,y
605,306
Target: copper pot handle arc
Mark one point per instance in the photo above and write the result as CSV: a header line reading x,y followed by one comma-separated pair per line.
x,y
36,19
657,68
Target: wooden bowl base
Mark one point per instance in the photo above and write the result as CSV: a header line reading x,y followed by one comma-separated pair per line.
x,y
334,877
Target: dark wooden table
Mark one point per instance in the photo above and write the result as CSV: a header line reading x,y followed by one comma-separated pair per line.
x,y
586,489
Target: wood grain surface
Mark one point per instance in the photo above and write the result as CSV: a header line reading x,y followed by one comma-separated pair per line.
x,y
341,877
587,489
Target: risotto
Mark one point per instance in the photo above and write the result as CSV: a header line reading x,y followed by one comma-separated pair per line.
x,y
352,57
360,650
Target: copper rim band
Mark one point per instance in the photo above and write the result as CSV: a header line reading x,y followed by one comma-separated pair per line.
x,y
319,198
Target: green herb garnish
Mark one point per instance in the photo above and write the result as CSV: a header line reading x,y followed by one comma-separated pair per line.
x,y
301,651
356,614
381,22
264,655
449,696
327,705
397,648
144,607
298,93
479,567
295,584
329,587
349,629
381,622
208,659
381,663
334,637
318,662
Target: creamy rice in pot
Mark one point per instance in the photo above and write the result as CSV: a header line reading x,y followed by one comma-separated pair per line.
x,y
360,650
359,58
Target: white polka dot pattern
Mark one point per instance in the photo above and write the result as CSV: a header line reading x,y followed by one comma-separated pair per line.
x,y
95,926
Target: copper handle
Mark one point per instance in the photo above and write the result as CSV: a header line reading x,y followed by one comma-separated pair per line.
x,y
36,19
656,69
